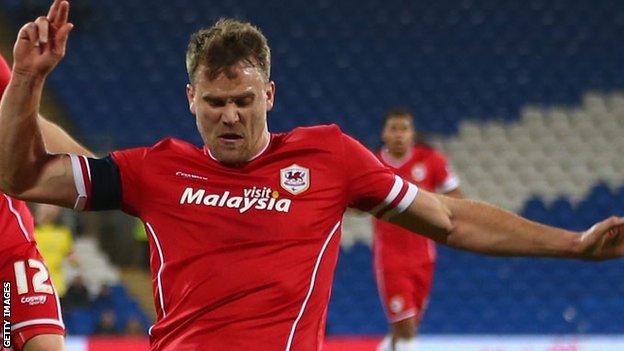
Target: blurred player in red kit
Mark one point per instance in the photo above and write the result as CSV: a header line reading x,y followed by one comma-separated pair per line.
x,y
404,262
244,231
36,321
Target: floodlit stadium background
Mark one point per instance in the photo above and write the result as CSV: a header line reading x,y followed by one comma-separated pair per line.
x,y
525,97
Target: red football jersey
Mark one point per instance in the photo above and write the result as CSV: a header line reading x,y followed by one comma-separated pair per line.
x,y
16,222
393,245
5,74
243,258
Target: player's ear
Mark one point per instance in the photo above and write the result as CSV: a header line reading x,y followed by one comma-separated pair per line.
x,y
190,95
270,95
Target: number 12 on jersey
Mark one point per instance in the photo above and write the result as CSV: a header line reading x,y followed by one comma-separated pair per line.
x,y
38,279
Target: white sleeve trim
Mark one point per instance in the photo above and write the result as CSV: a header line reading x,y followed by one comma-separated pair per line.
x,y
410,195
81,200
394,192
18,217
40,321
451,183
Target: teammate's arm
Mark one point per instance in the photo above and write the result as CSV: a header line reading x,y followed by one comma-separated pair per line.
x,y
58,141
479,227
27,170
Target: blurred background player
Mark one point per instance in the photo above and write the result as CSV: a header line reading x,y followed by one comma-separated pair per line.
x,y
55,243
36,320
404,262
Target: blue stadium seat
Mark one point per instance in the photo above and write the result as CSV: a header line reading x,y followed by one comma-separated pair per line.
x,y
479,61
80,322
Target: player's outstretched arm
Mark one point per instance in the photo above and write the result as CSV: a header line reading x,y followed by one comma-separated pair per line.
x,y
27,170
479,227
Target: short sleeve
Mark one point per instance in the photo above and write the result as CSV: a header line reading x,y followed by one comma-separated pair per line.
x,y
445,179
371,186
130,163
5,74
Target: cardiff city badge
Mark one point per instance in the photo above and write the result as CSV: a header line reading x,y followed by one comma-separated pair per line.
x,y
295,179
419,172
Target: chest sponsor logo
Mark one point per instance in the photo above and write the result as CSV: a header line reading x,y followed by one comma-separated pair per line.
x,y
295,179
419,172
264,199
34,300
189,175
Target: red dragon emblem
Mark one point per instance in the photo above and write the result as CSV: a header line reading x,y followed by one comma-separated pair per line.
x,y
294,176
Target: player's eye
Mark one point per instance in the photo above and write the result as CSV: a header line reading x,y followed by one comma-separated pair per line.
x,y
246,101
215,102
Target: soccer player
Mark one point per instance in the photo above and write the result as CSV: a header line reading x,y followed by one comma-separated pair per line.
x,y
404,262
37,324
244,231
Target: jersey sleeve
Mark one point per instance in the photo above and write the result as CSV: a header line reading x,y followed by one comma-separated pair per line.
x,y
5,75
371,186
445,179
113,182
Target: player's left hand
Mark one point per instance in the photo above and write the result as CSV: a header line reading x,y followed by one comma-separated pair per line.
x,y
604,240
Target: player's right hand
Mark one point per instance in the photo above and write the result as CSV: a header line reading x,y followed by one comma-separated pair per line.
x,y
41,44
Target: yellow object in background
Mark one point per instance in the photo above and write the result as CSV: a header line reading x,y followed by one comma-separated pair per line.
x,y
55,242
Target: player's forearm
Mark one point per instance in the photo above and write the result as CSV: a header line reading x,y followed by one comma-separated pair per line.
x,y
486,229
22,151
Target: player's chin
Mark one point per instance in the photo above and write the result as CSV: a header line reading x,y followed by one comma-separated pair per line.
x,y
401,147
230,156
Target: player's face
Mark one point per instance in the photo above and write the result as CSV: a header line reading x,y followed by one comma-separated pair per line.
x,y
231,112
398,134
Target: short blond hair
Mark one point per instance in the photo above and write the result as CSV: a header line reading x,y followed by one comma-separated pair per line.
x,y
226,43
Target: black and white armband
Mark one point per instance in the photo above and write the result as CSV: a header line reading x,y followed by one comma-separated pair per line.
x,y
98,183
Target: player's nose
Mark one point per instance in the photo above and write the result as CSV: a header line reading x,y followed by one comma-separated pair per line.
x,y
230,114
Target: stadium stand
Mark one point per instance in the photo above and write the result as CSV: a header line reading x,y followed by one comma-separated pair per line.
x,y
97,272
548,152
95,268
525,97
447,61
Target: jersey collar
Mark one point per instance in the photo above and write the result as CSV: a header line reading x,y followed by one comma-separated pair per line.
x,y
396,162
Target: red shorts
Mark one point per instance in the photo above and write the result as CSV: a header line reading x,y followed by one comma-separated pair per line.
x,y
405,292
35,307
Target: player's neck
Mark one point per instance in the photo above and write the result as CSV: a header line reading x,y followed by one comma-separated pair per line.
x,y
395,159
398,155
265,140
